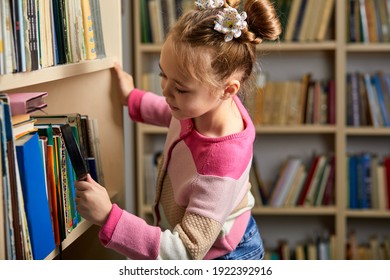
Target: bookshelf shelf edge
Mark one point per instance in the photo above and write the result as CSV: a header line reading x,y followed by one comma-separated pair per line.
x,y
55,73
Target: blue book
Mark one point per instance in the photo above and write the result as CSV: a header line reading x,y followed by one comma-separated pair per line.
x,y
381,100
364,181
372,101
36,204
353,181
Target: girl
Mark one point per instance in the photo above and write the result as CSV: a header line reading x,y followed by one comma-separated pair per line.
x,y
203,199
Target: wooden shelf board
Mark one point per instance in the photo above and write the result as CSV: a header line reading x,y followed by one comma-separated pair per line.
x,y
368,213
54,73
268,46
76,233
368,131
297,46
369,47
296,129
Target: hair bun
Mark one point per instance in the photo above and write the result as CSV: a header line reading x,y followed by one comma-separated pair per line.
x,y
263,23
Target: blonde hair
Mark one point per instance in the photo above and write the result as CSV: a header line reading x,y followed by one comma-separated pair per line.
x,y
203,52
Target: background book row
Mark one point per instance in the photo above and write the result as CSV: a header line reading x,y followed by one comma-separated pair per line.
x,y
368,181
157,16
323,248
37,34
37,187
368,99
302,20
317,247
307,101
306,20
296,185
368,21
376,248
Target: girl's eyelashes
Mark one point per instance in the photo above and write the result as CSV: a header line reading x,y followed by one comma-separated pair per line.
x,y
180,91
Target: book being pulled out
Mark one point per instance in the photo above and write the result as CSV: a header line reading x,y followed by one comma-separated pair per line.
x,y
27,102
74,153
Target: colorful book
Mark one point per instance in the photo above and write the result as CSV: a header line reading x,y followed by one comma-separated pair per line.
x,y
89,37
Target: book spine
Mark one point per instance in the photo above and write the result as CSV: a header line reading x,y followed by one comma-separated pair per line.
x,y
89,38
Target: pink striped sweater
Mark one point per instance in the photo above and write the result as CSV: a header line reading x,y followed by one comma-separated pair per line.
x,y
203,197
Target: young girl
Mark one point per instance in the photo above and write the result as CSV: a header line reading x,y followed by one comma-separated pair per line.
x,y
203,200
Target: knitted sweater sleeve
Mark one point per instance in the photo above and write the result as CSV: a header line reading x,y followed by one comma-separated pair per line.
x,y
147,107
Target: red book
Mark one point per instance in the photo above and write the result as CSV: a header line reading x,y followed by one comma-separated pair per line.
x,y
331,102
305,189
27,102
329,197
386,163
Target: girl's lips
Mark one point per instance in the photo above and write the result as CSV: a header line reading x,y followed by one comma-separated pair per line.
x,y
173,108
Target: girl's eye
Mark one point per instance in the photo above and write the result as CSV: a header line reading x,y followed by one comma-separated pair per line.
x,y
161,74
180,91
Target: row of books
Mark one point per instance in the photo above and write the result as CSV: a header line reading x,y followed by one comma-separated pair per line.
x,y
322,247
157,16
305,20
294,185
319,247
368,181
36,34
37,187
368,21
368,99
375,248
307,101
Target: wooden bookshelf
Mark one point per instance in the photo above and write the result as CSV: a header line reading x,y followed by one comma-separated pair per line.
x,y
90,88
330,58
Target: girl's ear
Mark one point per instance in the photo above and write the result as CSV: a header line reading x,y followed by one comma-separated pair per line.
x,y
231,89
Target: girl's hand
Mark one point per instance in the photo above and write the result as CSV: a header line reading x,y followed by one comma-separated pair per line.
x,y
126,83
92,201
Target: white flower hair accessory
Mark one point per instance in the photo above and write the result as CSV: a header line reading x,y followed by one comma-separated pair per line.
x,y
209,4
230,23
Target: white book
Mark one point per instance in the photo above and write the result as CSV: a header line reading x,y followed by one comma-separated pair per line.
x,y
295,187
381,183
171,9
7,31
283,185
156,21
